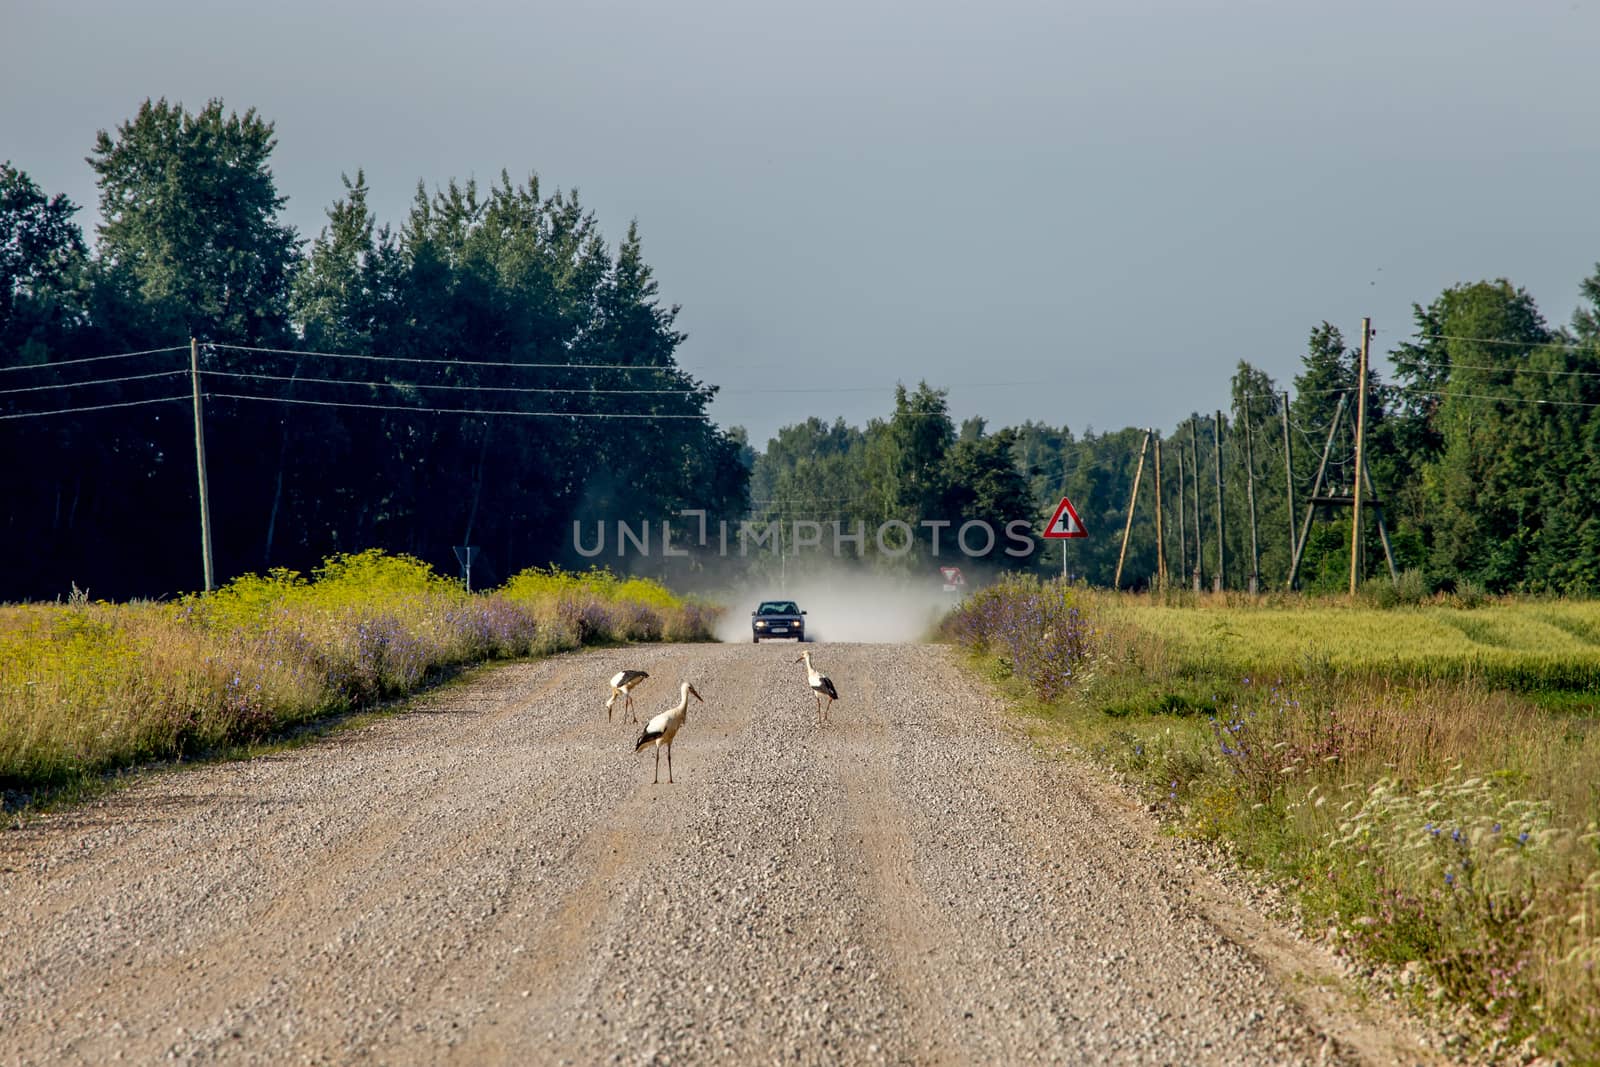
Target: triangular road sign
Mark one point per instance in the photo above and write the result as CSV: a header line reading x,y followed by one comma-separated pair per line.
x,y
1065,522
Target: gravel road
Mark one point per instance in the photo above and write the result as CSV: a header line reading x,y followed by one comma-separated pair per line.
x,y
492,877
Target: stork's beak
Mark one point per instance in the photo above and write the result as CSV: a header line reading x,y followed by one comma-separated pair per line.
x,y
697,696
800,659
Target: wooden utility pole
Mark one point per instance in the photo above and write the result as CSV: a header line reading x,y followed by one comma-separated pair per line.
x,y
1194,465
1250,496
1362,490
1161,541
1183,533
1361,430
200,463
1288,476
1222,518
1133,498
1316,488
1383,530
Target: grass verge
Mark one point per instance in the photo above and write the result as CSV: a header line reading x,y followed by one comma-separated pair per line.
x,y
87,688
1432,801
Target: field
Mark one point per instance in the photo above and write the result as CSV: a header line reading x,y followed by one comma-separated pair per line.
x,y
1425,779
1533,646
87,687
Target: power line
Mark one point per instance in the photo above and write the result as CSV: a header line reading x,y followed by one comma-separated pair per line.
x,y
461,388
1451,394
881,388
92,359
97,381
452,362
1453,366
1500,341
451,411
95,407
578,390
1299,393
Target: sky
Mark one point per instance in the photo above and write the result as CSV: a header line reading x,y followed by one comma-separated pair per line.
x,y
1084,214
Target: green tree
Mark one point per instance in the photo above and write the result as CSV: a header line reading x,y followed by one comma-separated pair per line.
x,y
1487,485
1329,371
984,484
1586,319
920,433
1258,407
344,289
190,218
42,263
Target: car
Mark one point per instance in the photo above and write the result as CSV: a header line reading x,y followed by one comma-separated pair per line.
x,y
777,618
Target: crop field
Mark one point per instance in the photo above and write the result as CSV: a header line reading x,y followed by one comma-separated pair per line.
x,y
87,687
1526,645
1424,780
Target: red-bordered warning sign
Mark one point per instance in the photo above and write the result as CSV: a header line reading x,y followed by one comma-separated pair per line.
x,y
1065,522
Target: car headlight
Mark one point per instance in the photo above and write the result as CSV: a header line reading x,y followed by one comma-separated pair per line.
x,y
760,625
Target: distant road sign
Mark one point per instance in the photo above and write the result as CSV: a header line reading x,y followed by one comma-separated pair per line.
x,y
954,580
465,554
1065,522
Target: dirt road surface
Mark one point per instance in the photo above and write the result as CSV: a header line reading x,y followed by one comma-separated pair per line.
x,y
492,877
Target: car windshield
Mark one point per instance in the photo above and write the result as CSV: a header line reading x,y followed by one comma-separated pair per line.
x,y
778,607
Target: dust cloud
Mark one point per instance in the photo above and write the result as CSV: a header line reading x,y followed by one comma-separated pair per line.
x,y
847,606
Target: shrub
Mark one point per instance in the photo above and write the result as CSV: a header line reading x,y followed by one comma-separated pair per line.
x,y
1036,628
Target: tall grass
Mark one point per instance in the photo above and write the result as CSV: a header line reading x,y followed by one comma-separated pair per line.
x,y
1530,645
86,687
1396,769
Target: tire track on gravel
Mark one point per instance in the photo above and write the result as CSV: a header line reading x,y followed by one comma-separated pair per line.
x,y
906,928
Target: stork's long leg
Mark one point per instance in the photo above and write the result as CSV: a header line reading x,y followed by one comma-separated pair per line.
x,y
669,763
658,766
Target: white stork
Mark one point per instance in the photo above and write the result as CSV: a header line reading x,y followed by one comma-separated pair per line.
x,y
664,727
821,686
622,684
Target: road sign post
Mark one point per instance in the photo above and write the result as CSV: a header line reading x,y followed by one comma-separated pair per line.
x,y
1064,524
954,580
465,554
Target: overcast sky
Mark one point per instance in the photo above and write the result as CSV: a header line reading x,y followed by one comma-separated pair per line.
x,y
1081,213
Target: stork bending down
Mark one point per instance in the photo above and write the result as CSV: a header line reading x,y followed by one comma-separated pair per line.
x,y
821,686
622,684
664,727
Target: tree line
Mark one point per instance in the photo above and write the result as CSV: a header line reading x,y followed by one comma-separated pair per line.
x,y
499,302
1484,452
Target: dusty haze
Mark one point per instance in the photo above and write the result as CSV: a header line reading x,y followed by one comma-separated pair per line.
x,y
844,606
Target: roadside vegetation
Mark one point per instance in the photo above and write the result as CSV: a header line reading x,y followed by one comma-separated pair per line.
x,y
87,687
1425,779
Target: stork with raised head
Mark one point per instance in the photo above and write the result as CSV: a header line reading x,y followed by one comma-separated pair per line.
x,y
622,684
664,727
821,686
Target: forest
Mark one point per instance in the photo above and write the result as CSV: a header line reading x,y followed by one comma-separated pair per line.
x,y
492,370
500,300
